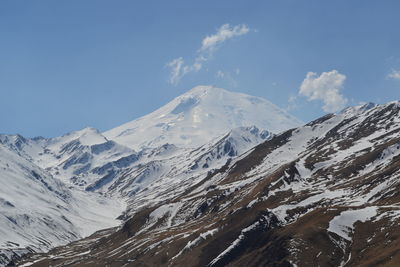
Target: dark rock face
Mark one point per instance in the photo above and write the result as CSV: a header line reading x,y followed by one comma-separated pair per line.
x,y
99,148
81,159
325,194
120,163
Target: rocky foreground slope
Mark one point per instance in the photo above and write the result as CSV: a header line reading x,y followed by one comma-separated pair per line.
x,y
325,194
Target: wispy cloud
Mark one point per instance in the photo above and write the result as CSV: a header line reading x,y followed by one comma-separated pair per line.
x,y
179,69
325,87
210,44
224,33
395,74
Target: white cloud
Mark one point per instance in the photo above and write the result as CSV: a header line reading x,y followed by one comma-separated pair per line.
x,y
178,69
209,45
225,32
395,74
325,87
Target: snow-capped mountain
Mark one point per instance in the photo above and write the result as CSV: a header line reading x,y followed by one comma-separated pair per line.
x,y
80,182
100,162
200,115
324,194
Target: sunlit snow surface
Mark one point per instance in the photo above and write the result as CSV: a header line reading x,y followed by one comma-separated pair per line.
x,y
200,115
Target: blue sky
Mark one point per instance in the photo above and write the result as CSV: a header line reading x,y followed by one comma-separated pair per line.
x,y
65,65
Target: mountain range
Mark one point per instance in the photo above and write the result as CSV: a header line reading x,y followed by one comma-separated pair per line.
x,y
213,178
64,188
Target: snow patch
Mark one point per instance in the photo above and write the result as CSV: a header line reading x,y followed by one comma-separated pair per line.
x,y
343,224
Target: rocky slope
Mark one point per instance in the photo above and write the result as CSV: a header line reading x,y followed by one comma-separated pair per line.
x,y
325,194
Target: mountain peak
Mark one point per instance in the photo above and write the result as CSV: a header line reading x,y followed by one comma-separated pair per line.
x,y
86,136
203,89
199,115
